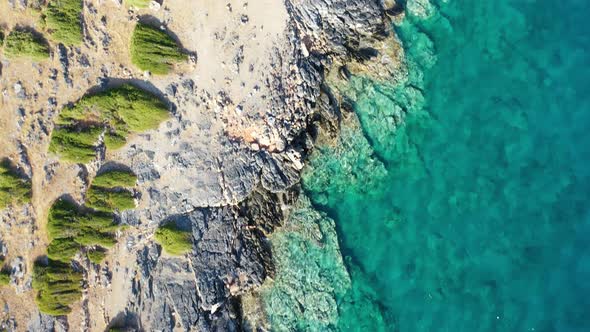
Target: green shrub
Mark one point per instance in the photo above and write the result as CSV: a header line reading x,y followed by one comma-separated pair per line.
x,y
107,194
118,329
174,240
116,112
57,285
70,228
63,249
108,200
93,237
114,140
66,220
102,221
154,50
124,107
97,255
63,19
62,219
76,145
13,188
4,277
115,178
138,3
26,43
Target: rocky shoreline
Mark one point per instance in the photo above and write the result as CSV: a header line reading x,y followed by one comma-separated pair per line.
x,y
231,189
232,255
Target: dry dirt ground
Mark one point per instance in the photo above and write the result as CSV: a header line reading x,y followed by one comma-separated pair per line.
x,y
232,42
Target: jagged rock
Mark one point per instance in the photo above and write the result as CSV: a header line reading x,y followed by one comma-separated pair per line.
x,y
65,63
18,275
232,191
278,171
41,322
199,292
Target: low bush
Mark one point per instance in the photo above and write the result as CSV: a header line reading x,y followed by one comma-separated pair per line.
x,y
62,220
93,237
116,113
115,178
107,191
26,43
13,188
174,240
96,255
109,200
114,140
57,285
71,228
4,277
154,50
75,144
63,249
63,19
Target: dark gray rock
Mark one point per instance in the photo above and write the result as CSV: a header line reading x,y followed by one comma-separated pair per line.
x,y
62,52
41,322
200,291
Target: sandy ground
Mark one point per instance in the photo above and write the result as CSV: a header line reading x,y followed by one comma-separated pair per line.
x,y
233,41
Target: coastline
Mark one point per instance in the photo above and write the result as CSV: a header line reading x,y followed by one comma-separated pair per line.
x,y
474,215
311,281
238,144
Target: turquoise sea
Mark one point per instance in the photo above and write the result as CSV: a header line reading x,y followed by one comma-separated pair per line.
x,y
462,203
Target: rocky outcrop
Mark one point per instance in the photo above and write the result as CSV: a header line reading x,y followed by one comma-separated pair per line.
x,y
230,187
243,191
201,292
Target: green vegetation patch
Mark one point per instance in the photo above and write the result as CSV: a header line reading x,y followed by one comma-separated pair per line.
x,y
4,273
138,3
107,191
174,240
57,285
76,144
116,113
63,249
154,50
4,278
63,19
96,255
115,178
26,43
71,228
108,200
13,188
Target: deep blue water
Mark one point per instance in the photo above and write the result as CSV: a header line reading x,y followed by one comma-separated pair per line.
x,y
473,214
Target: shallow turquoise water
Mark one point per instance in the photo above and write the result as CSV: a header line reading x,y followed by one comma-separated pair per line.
x,y
473,214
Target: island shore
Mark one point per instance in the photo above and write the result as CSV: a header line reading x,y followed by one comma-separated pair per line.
x,y
246,109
